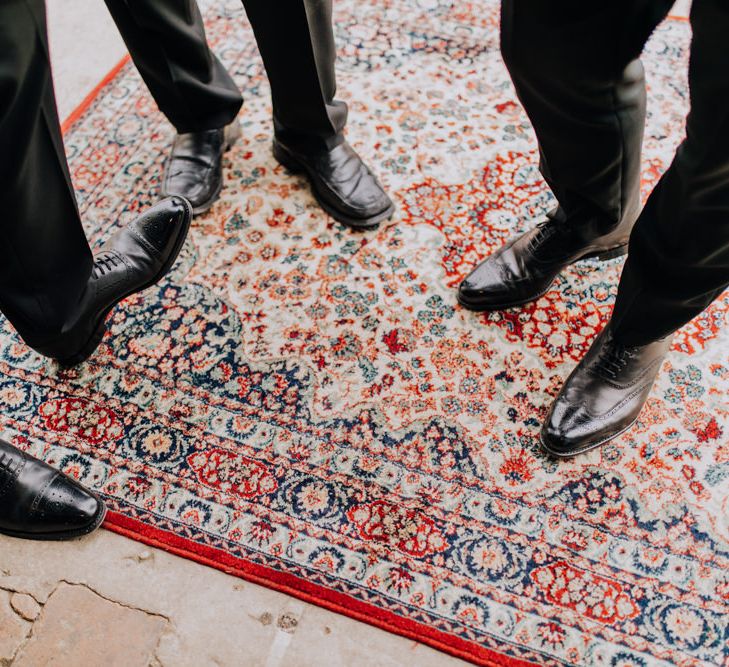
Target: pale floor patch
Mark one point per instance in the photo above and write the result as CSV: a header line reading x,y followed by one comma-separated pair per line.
x,y
97,593
107,600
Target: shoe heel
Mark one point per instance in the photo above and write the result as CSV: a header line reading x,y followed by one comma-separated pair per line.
x,y
285,159
612,253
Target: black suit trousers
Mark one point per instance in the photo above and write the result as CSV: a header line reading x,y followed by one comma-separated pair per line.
x,y
45,260
576,69
166,39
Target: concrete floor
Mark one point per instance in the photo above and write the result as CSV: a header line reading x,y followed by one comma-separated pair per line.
x,y
107,600
80,31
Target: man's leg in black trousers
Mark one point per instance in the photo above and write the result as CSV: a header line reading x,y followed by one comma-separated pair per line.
x,y
678,261
46,261
679,250
51,289
296,42
576,70
167,42
166,39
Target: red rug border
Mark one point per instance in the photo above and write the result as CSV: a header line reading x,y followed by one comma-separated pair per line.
x,y
87,101
281,581
302,589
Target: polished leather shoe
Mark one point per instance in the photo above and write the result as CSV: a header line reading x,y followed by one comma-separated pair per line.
x,y
195,167
603,396
136,258
342,184
524,269
39,503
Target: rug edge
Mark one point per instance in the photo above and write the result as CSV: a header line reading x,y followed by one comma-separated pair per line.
x,y
304,590
87,101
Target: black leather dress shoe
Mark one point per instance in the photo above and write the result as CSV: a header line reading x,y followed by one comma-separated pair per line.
x,y
603,396
39,503
136,258
524,269
195,167
342,184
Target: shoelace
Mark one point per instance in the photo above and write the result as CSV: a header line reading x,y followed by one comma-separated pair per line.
x,y
613,360
8,470
104,263
545,231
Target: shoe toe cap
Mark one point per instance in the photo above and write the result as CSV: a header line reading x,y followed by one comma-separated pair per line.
x,y
360,196
558,441
161,224
483,286
66,507
347,183
369,197
569,430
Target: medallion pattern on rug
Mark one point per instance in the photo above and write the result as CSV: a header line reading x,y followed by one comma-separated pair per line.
x,y
313,400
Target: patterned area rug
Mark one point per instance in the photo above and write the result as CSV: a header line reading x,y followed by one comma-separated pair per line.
x,y
307,407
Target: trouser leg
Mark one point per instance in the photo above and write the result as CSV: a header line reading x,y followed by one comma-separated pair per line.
x,y
679,250
576,70
45,261
296,41
166,39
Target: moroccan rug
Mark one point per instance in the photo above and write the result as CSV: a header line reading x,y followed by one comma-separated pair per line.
x,y
308,407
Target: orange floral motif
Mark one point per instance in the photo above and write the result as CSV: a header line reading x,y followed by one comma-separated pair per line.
x,y
518,467
595,597
402,528
232,473
82,418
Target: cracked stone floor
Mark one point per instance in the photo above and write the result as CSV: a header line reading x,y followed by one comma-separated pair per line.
x,y
107,600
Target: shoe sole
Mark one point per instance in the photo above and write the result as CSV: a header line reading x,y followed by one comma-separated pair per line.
x,y
582,450
230,139
295,166
100,328
62,535
603,256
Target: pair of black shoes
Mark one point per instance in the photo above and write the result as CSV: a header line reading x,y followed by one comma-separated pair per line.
x,y
341,183
607,390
